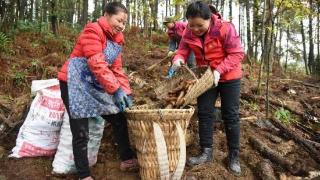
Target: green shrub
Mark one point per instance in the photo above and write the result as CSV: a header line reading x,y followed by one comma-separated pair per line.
x,y
284,116
4,42
32,26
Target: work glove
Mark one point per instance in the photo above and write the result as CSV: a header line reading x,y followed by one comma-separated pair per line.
x,y
175,66
216,77
122,100
171,53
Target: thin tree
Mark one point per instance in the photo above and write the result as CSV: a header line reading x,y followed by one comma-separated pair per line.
x,y
128,2
304,50
230,10
311,45
134,13
287,50
84,17
22,4
30,13
255,25
268,47
54,17
250,49
262,47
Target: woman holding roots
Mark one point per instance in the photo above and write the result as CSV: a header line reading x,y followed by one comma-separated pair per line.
x,y
215,43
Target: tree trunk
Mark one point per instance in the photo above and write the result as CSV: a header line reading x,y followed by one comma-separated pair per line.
x,y
287,52
217,4
279,53
70,14
37,10
222,8
304,51
274,42
134,22
170,9
255,26
241,21
318,40
230,10
30,14
268,38
54,18
154,12
167,4
22,4
3,8
84,18
262,48
145,16
295,167
78,7
318,31
311,45
128,2
250,50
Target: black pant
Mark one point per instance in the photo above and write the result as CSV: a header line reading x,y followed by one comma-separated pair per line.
x,y
80,136
230,95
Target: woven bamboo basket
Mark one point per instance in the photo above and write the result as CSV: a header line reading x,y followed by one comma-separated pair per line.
x,y
159,138
202,84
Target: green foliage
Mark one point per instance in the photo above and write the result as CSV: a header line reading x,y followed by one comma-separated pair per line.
x,y
20,78
32,26
284,116
66,45
4,42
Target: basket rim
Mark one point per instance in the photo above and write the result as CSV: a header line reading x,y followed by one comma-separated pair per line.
x,y
152,110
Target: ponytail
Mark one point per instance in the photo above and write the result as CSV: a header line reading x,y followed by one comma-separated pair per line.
x,y
214,11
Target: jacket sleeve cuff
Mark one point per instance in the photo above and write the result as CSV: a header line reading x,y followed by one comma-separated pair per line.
x,y
219,69
177,57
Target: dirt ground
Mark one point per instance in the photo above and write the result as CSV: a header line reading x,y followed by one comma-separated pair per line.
x,y
299,95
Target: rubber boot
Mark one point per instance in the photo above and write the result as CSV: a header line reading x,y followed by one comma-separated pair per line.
x,y
205,156
234,163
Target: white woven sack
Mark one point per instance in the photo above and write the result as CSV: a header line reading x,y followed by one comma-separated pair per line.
x,y
63,162
39,134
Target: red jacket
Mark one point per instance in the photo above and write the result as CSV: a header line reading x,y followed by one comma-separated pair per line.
x,y
221,49
90,44
176,31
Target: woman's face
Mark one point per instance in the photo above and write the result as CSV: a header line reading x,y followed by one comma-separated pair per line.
x,y
198,25
170,25
117,21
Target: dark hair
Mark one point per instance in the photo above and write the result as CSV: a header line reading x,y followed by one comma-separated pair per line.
x,y
214,11
201,9
114,7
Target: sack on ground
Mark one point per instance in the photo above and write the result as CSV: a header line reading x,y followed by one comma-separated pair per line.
x,y
63,162
39,134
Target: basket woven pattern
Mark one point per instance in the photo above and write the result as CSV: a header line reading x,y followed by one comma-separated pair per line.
x,y
140,123
202,84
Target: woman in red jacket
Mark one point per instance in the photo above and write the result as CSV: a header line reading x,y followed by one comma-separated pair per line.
x,y
215,44
175,30
93,83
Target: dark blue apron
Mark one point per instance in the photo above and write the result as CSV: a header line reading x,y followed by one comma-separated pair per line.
x,y
87,98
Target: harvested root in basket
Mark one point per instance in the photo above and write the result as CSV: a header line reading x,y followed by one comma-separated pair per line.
x,y
175,98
